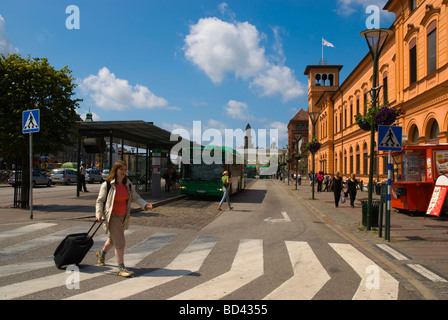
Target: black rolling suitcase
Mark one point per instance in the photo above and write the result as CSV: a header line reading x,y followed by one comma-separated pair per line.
x,y
74,248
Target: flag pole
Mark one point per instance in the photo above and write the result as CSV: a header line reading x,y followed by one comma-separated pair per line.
x,y
322,50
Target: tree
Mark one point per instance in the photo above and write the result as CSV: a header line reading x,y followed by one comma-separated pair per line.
x,y
32,83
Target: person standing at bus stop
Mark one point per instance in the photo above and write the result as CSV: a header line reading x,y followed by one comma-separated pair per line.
x,y
226,190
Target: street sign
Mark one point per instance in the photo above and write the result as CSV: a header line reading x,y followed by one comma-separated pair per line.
x,y
389,138
30,121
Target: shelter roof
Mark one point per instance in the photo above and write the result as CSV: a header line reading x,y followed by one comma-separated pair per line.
x,y
137,133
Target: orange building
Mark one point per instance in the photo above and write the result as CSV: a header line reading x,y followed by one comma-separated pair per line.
x,y
413,73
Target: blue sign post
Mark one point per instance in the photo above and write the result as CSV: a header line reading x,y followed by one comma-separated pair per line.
x,y
30,124
389,139
30,121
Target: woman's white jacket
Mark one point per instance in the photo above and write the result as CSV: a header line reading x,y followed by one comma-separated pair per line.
x,y
104,207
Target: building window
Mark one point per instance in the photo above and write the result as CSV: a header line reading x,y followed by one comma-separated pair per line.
x,y
434,134
413,4
432,47
365,102
345,117
336,123
415,134
366,160
385,93
413,61
351,113
357,105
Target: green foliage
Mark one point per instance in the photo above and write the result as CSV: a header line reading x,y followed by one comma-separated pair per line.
x,y
32,83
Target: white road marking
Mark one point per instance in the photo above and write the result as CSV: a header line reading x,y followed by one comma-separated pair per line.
x,y
189,261
426,273
246,267
376,284
24,230
285,219
33,244
136,254
394,253
309,275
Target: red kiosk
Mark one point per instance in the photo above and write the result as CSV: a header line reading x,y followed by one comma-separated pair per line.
x,y
418,169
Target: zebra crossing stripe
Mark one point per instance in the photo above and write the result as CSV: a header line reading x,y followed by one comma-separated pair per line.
x,y
376,284
189,261
33,244
426,273
138,253
22,267
246,267
24,230
301,286
394,253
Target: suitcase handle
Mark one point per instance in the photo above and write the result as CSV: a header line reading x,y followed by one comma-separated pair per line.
x,y
95,229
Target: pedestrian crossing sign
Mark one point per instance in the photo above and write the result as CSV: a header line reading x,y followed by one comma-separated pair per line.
x,y
389,138
30,121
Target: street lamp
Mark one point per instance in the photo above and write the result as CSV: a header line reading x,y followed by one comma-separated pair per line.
x,y
313,117
375,38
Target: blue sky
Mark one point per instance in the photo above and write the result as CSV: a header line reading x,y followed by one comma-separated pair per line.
x,y
173,62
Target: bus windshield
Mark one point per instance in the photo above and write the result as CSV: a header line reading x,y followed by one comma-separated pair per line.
x,y
202,172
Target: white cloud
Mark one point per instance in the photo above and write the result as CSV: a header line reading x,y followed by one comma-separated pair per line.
x,y
6,46
237,110
348,7
219,48
282,132
112,93
278,80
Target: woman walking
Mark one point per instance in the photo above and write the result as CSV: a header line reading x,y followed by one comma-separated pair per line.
x,y
226,189
113,206
337,188
352,184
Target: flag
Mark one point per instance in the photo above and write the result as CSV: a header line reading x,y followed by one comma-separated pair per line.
x,y
326,43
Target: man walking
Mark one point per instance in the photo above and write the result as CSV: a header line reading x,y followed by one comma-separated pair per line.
x,y
82,177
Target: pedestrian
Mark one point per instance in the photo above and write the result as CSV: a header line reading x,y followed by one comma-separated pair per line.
x,y
299,178
173,178
326,182
352,185
166,177
226,190
114,208
337,188
82,177
320,179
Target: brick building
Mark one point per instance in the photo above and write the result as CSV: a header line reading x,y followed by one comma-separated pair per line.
x,y
413,73
297,127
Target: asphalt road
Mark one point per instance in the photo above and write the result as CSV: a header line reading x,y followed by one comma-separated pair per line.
x,y
267,247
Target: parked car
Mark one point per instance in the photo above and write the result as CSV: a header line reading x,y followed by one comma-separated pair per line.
x,y
38,179
105,173
66,176
93,176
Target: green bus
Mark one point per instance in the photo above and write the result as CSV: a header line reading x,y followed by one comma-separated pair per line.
x,y
205,179
251,171
264,169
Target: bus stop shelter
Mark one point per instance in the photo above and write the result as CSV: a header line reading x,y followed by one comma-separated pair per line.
x,y
138,135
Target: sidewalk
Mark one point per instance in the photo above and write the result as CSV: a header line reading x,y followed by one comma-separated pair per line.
x,y
418,238
73,207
